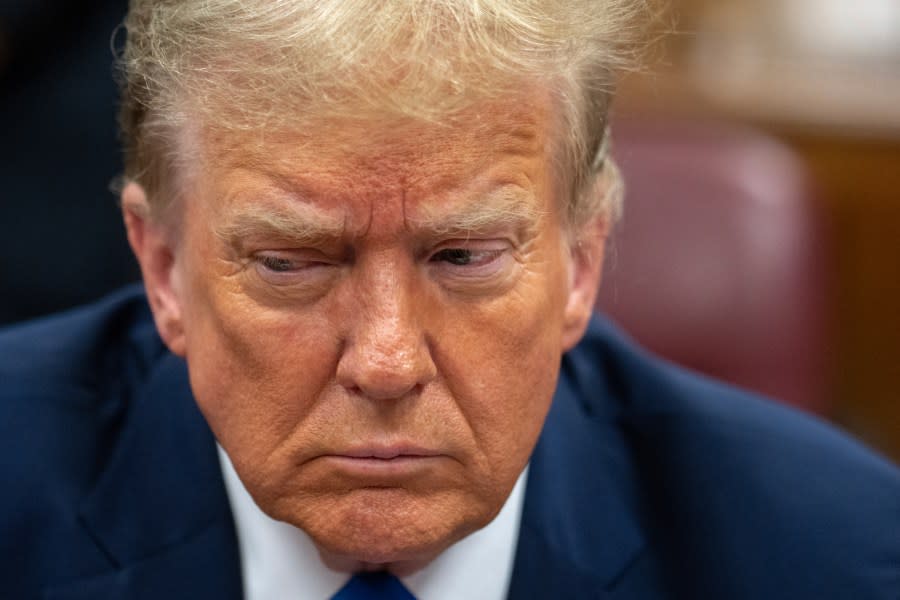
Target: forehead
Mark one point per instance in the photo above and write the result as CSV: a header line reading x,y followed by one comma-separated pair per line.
x,y
342,162
379,138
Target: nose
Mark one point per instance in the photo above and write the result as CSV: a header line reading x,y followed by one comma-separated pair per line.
x,y
387,354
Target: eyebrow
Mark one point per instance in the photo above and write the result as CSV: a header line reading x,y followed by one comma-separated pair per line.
x,y
301,224
505,207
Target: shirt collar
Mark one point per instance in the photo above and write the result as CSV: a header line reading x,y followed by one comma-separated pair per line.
x,y
280,561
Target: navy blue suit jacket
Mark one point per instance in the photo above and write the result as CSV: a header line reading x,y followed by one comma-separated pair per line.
x,y
647,482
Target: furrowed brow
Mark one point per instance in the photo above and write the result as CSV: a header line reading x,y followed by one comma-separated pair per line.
x,y
507,207
301,225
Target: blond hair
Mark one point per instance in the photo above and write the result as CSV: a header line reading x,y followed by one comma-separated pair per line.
x,y
252,64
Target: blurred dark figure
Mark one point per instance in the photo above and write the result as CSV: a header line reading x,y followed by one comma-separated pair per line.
x,y
61,239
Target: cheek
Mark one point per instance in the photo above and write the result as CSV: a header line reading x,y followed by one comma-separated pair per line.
x,y
254,372
501,363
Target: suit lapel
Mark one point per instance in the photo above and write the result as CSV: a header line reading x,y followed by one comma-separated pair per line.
x,y
580,532
159,510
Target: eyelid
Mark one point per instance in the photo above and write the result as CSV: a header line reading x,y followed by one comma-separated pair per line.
x,y
305,268
331,255
493,244
493,259
475,243
291,255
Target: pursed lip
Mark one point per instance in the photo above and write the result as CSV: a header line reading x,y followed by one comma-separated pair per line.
x,y
386,452
385,464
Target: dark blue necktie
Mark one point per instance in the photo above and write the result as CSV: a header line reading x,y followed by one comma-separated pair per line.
x,y
373,586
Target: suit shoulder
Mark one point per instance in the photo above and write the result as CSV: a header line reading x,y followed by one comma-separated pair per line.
x,y
70,410
724,471
80,348
67,380
618,380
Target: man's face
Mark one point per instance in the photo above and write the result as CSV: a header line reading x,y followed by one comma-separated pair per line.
x,y
373,318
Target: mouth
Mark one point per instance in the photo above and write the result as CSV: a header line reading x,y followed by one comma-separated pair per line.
x,y
387,452
377,464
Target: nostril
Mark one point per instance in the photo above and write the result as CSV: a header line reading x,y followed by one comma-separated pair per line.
x,y
384,394
382,386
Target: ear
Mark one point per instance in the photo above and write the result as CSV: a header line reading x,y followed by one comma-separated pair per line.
x,y
153,245
585,267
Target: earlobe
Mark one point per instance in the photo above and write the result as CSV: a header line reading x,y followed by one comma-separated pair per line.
x,y
586,264
152,246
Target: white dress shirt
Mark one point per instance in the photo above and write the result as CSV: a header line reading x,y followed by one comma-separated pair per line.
x,y
280,561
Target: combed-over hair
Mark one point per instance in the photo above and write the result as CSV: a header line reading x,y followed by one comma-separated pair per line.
x,y
254,64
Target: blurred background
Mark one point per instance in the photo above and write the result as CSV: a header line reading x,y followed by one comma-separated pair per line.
x,y
61,240
822,79
761,240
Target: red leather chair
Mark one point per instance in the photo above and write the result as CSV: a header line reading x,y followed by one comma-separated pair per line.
x,y
717,263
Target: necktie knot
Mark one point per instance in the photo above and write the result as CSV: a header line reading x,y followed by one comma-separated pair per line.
x,y
379,585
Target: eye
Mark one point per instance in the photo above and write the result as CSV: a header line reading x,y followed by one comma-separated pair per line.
x,y
463,257
292,268
473,266
277,264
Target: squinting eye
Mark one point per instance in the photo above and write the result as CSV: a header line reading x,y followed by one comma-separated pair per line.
x,y
277,264
293,268
463,257
473,266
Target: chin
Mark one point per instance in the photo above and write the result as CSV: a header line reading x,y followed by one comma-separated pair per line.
x,y
385,527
